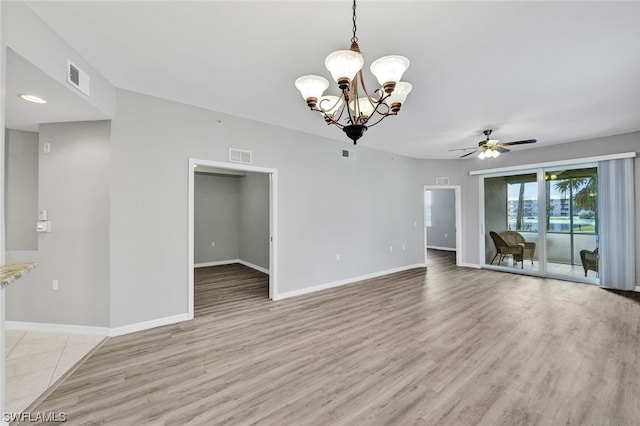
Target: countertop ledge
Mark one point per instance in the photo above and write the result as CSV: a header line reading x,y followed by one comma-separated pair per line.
x,y
10,273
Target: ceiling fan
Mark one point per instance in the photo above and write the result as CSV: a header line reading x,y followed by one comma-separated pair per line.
x,y
491,148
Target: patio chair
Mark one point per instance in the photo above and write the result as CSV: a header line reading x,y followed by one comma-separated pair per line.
x,y
504,249
514,238
589,261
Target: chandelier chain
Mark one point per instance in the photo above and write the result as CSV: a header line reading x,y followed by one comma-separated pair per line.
x,y
354,39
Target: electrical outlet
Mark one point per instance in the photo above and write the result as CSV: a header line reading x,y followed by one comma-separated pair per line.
x,y
337,256
55,285
390,249
403,248
213,244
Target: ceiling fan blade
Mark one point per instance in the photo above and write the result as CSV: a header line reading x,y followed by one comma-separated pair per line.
x,y
463,149
502,150
520,142
468,154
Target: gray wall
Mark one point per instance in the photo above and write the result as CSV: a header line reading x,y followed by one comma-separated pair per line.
x,y
233,212
442,232
74,187
216,217
21,190
254,219
326,204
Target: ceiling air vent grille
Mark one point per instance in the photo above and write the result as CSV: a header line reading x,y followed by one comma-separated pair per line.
x,y
74,75
349,153
442,181
78,78
240,156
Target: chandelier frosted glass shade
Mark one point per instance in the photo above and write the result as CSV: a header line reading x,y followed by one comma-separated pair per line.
x,y
388,70
364,108
344,65
399,95
311,87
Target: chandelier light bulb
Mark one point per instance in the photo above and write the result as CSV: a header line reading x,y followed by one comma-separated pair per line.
x,y
481,155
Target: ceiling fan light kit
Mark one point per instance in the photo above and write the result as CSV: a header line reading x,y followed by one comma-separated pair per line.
x,y
355,110
491,148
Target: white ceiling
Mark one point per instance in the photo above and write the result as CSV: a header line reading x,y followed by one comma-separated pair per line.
x,y
555,71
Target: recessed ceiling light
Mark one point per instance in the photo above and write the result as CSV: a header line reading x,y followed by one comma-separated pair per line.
x,y
32,98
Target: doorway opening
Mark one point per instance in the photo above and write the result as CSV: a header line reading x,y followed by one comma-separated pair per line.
x,y
205,167
442,219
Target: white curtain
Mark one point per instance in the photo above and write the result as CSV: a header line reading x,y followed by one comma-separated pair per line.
x,y
616,222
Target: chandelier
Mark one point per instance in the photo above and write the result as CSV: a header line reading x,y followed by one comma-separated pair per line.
x,y
355,110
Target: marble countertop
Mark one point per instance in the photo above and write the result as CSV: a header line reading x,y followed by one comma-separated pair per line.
x,y
10,273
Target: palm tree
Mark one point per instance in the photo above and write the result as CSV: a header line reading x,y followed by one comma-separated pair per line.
x,y
583,189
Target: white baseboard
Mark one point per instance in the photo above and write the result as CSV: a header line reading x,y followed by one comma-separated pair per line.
x,y
56,328
231,261
145,325
442,248
94,331
218,263
253,266
471,265
325,286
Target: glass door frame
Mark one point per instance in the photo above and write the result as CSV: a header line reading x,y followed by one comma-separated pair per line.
x,y
541,247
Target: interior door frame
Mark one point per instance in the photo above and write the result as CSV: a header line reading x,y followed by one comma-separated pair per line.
x,y
458,220
273,222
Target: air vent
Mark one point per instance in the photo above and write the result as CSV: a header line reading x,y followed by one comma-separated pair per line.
x,y
349,153
442,181
239,156
78,78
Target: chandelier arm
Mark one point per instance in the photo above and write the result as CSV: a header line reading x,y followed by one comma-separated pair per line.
x,y
382,117
376,110
331,107
336,117
330,121
364,89
345,93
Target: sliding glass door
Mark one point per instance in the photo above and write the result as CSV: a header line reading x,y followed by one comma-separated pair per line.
x,y
543,222
572,222
511,220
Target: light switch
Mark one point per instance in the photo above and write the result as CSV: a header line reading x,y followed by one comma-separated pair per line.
x,y
43,226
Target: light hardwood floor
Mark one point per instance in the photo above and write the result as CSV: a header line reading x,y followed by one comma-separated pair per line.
x,y
443,346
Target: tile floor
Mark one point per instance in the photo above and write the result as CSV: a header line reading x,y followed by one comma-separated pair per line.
x,y
35,361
